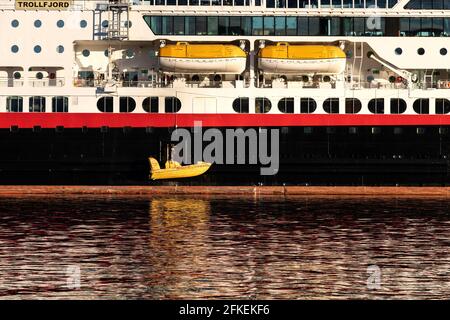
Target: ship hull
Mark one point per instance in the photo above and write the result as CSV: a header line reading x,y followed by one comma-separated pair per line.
x,y
343,155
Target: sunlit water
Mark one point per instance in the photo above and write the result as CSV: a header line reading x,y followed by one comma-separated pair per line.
x,y
176,248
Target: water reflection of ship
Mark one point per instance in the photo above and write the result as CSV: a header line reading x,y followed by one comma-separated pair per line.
x,y
178,238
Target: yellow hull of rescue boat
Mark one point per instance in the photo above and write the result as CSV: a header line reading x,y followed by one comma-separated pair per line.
x,y
173,170
285,58
202,58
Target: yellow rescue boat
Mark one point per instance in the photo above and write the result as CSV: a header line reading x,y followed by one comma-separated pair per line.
x,y
285,58
174,170
183,57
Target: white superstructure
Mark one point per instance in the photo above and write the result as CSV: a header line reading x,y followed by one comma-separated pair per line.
x,y
93,58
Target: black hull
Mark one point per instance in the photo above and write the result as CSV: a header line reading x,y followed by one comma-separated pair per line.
x,y
312,155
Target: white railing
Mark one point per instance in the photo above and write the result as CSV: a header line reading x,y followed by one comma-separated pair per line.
x,y
57,82
11,82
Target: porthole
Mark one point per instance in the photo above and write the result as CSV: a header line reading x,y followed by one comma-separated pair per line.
x,y
151,104
331,105
307,105
14,49
85,53
443,52
60,49
398,106
37,49
126,104
83,23
172,104
398,51
15,23
105,104
130,53
352,105
39,75
286,105
422,106
262,105
37,23
421,51
17,75
241,105
60,23
106,52
105,24
376,106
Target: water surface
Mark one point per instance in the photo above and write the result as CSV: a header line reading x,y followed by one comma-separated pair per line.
x,y
267,248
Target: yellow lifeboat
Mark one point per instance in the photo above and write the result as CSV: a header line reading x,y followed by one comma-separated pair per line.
x,y
202,58
174,170
285,58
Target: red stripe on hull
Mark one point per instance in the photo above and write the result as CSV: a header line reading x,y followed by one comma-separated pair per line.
x,y
115,120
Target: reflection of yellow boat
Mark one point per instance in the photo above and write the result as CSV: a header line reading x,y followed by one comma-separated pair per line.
x,y
174,170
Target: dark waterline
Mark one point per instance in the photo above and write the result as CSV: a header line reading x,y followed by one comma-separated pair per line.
x,y
177,247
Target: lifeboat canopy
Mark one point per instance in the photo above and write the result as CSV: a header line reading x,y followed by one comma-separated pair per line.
x,y
183,57
285,58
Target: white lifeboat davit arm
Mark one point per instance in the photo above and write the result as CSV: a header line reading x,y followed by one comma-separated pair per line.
x,y
402,73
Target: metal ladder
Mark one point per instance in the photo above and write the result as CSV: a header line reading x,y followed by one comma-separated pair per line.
x,y
118,25
117,17
428,79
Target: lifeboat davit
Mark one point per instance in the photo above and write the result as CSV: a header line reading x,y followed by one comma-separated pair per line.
x,y
284,58
202,58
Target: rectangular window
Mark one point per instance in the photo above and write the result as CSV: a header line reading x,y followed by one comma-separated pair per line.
x,y
314,26
257,26
246,25
335,27
382,3
358,26
167,25
269,26
404,27
438,26
200,25
178,25
414,26
348,3
213,26
427,27
336,3
14,104
291,26
224,25
155,25
280,26
446,27
60,104
189,26
235,26
303,4
302,26
292,3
